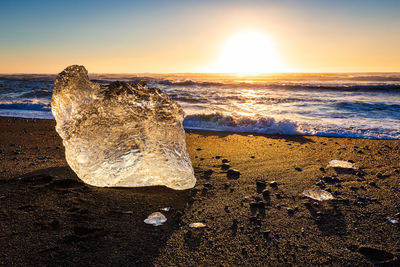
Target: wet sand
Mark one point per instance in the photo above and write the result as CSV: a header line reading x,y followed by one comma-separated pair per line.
x,y
49,217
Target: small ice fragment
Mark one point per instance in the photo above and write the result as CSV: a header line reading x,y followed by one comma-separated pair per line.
x,y
394,221
166,208
127,212
156,219
342,164
318,194
197,225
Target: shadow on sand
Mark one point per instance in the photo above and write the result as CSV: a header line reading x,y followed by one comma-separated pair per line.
x,y
63,221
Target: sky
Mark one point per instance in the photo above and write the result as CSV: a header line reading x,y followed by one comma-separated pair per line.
x,y
200,36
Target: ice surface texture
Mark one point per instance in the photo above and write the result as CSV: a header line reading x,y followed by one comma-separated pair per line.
x,y
317,194
121,135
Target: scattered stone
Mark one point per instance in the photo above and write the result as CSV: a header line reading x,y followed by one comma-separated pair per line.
x,y
273,184
298,169
266,193
257,198
320,184
290,211
225,166
42,158
330,179
252,157
232,173
225,161
261,184
322,169
198,149
208,172
217,157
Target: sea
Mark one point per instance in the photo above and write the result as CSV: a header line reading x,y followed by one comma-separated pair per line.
x,y
355,105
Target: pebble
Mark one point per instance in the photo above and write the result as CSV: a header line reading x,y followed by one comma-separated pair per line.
x,y
198,149
266,193
257,198
330,179
261,183
322,169
252,157
321,184
273,184
290,210
298,169
218,157
233,173
208,172
225,161
225,166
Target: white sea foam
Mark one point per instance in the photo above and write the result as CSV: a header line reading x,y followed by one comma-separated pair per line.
x,y
339,105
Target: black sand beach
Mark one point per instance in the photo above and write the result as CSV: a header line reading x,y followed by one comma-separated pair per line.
x,y
49,217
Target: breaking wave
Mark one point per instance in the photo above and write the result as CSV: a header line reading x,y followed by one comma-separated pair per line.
x,y
219,122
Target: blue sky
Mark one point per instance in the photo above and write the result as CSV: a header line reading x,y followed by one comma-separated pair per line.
x,y
183,36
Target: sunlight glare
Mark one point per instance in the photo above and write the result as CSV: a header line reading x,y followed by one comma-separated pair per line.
x,y
248,53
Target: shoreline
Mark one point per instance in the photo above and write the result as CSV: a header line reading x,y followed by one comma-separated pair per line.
x,y
46,210
226,132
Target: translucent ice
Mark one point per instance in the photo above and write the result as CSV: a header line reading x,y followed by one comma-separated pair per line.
x,y
342,164
197,225
156,219
123,134
318,194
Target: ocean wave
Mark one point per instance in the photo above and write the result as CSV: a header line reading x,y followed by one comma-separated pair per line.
x,y
220,122
34,105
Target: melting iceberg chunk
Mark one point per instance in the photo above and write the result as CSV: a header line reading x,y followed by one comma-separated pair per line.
x,y
342,164
197,225
317,194
121,135
156,219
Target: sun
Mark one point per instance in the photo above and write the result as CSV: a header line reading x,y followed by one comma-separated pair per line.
x,y
248,53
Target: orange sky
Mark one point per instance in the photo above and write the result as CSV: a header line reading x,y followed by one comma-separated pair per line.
x,y
190,36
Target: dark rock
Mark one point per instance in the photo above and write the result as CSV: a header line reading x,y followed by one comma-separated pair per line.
x,y
257,198
321,184
217,157
225,166
232,173
261,184
322,169
330,179
252,157
266,193
298,169
290,211
225,161
227,209
273,184
208,172
361,198
198,149
266,233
